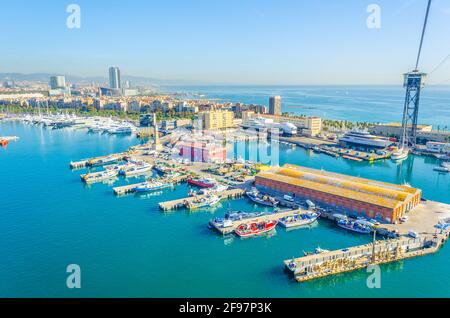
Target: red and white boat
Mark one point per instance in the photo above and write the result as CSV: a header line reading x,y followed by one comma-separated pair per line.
x,y
202,183
253,229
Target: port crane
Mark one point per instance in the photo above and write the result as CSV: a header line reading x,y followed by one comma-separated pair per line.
x,y
414,81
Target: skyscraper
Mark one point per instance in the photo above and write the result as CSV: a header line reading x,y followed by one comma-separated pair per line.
x,y
114,78
57,82
275,105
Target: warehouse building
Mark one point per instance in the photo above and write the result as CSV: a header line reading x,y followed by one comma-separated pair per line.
x,y
349,195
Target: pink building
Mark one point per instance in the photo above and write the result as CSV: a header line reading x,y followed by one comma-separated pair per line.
x,y
203,152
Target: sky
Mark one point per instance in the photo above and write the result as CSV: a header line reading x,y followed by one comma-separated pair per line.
x,y
272,42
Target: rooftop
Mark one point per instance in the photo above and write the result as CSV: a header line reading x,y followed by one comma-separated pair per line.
x,y
365,190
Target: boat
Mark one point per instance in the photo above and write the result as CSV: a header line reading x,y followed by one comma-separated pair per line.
x,y
239,215
205,202
152,186
259,198
120,130
202,183
364,138
103,161
99,176
400,154
253,229
137,169
441,169
299,219
216,189
354,226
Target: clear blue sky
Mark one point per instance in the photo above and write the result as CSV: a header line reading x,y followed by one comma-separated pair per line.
x,y
227,41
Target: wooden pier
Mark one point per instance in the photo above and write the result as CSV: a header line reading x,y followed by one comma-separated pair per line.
x,y
263,218
130,188
180,203
350,259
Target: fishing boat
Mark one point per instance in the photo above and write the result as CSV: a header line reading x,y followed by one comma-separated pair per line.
x,y
103,161
239,215
99,176
202,183
136,169
253,229
216,189
354,226
259,198
299,219
205,202
152,186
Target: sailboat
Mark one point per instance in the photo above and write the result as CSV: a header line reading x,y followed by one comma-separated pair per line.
x,y
403,152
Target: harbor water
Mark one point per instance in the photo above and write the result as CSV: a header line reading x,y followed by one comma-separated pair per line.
x,y
126,247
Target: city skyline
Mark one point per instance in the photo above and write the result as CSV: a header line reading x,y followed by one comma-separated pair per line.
x,y
289,43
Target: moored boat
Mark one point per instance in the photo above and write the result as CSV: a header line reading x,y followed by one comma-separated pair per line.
x,y
262,199
253,229
354,226
134,169
205,202
152,186
103,161
400,154
202,183
99,176
299,219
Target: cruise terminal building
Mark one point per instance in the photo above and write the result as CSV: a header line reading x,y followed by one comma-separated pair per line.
x,y
345,194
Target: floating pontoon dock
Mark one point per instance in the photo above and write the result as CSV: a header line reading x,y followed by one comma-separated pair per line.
x,y
130,188
346,260
179,203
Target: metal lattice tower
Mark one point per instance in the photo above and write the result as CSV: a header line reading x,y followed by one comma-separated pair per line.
x,y
413,82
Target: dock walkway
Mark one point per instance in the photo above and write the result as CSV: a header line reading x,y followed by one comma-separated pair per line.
x,y
345,260
179,203
130,188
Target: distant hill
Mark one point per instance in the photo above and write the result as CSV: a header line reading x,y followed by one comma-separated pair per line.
x,y
44,77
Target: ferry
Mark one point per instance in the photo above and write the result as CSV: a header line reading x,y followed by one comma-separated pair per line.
x,y
364,138
259,198
300,219
253,229
152,186
206,202
354,226
99,176
202,183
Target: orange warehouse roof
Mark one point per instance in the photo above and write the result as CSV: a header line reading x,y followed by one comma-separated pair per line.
x,y
364,190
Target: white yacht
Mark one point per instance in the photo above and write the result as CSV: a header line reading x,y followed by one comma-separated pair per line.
x,y
364,138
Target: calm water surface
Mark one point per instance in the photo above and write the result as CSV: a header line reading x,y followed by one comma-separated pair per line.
x,y
127,248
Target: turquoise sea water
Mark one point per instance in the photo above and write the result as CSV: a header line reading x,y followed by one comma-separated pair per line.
x,y
126,247
355,103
